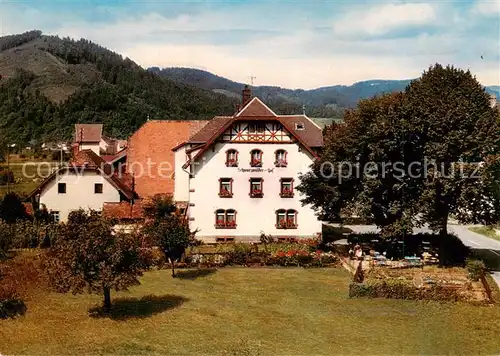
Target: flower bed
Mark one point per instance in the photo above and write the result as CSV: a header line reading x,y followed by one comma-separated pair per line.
x,y
303,254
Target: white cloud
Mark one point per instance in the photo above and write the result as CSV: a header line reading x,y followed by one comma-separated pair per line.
x,y
487,8
298,54
381,19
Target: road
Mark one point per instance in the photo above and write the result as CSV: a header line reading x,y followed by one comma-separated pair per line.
x,y
488,248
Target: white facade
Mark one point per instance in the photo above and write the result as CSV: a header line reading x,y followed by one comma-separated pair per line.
x,y
254,215
80,193
90,146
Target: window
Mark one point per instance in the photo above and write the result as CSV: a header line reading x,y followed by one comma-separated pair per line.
x,y
280,156
299,126
98,188
226,187
232,158
61,188
256,158
258,128
225,219
55,216
286,219
256,187
286,187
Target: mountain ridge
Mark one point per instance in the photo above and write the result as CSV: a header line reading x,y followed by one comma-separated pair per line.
x,y
341,96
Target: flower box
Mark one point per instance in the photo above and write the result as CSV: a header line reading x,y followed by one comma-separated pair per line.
x,y
225,225
281,163
286,224
256,162
256,193
225,194
232,163
286,193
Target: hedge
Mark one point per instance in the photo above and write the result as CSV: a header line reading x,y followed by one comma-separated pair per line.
x,y
401,290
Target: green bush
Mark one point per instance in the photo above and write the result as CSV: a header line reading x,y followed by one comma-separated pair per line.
x,y
475,268
10,308
397,289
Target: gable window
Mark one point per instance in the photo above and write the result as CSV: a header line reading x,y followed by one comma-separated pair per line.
x,y
55,216
299,126
280,158
286,219
61,188
225,219
98,188
286,187
232,158
226,187
256,158
256,187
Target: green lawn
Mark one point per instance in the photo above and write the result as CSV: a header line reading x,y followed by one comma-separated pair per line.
x,y
30,174
250,311
486,231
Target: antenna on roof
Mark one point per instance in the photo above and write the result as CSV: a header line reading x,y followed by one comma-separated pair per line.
x,y
304,109
252,77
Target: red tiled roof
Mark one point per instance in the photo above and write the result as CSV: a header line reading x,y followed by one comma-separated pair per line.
x,y
88,132
89,160
255,108
210,129
153,143
312,134
123,210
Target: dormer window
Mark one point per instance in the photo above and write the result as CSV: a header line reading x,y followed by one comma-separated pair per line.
x,y
232,158
299,126
280,158
256,158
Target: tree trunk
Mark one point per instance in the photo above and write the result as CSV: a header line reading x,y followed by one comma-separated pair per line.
x,y
443,233
172,265
107,300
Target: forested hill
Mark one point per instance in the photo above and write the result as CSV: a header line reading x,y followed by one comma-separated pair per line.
x,y
47,84
335,96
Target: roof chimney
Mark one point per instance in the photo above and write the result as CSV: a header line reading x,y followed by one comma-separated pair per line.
x,y
246,95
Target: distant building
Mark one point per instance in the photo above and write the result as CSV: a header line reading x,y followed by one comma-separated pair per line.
x,y
88,182
88,137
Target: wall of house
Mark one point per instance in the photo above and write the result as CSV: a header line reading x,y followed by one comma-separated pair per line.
x,y
254,215
181,178
91,146
79,193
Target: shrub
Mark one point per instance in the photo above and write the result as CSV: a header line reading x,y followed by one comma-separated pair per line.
x,y
476,268
6,176
10,308
398,289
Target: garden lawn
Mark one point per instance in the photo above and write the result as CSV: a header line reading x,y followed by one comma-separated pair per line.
x,y
34,171
266,311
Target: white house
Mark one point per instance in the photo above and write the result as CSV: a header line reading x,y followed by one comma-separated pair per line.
x,y
87,183
89,137
238,175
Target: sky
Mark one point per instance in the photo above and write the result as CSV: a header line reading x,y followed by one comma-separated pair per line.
x,y
293,44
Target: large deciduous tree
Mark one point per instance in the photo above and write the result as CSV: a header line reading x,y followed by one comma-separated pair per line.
x,y
450,113
408,159
88,255
363,165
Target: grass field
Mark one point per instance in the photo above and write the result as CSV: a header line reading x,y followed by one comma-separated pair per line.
x,y
486,231
30,175
236,311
